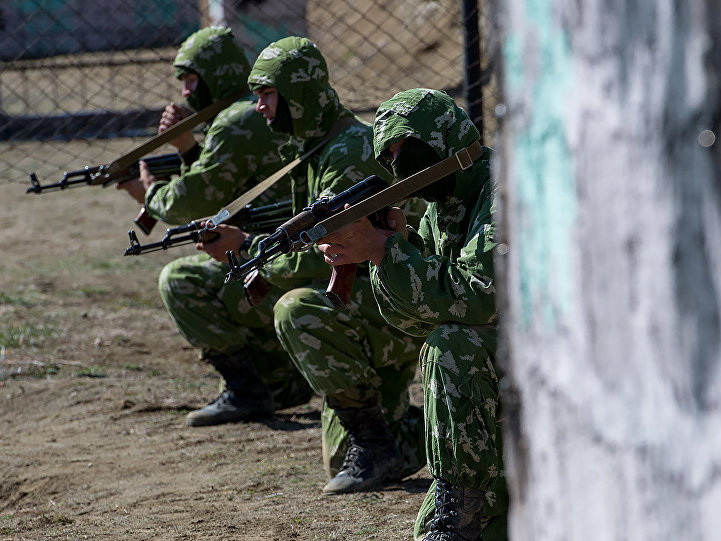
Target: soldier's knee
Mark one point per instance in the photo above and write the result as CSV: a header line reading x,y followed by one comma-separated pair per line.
x,y
461,336
170,277
288,304
439,336
295,304
459,347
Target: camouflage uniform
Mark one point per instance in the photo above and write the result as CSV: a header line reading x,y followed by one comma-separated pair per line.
x,y
352,357
238,152
442,288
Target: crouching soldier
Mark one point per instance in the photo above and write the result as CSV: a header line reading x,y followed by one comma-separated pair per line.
x,y
439,284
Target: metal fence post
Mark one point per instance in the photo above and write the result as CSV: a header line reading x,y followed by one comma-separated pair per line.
x,y
472,63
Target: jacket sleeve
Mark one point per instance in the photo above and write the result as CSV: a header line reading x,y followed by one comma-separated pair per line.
x,y
229,158
417,289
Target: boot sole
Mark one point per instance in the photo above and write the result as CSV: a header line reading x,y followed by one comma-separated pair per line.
x,y
200,421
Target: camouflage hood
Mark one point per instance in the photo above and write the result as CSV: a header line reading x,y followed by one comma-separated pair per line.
x,y
214,56
297,69
429,115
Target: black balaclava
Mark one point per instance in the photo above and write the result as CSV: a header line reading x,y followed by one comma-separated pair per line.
x,y
201,97
416,155
282,122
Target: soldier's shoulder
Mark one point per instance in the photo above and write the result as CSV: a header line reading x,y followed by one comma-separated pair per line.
x,y
241,111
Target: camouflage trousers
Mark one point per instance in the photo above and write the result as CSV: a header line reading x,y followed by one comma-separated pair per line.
x,y
464,444
216,317
354,359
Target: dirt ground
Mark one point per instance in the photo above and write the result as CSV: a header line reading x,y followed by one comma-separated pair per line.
x,y
94,386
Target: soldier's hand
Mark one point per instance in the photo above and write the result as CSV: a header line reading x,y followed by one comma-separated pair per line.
x,y
230,238
360,241
134,188
147,179
173,114
396,219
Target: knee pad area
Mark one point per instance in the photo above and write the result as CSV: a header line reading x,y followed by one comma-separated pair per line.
x,y
300,301
183,276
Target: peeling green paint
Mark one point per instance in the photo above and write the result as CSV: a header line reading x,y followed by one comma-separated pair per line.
x,y
513,57
543,166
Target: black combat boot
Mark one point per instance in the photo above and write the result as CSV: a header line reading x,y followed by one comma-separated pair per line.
x,y
458,515
244,398
372,457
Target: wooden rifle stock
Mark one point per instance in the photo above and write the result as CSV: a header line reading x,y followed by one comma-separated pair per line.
x,y
162,167
145,221
340,285
256,288
342,277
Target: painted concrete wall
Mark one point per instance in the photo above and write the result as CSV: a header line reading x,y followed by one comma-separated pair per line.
x,y
611,197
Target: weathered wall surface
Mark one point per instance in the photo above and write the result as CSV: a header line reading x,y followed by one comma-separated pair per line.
x,y
610,189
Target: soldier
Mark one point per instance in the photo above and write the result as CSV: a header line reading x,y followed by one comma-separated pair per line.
x,y
238,152
351,357
440,285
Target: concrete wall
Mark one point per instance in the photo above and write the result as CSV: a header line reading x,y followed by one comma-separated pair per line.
x,y
611,224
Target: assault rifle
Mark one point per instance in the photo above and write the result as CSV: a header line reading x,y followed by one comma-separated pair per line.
x,y
290,237
262,219
162,167
369,197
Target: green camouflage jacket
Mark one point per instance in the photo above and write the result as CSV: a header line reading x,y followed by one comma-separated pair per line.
x,y
298,70
449,276
239,150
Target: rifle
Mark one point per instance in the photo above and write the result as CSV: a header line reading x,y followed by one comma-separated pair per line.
x,y
262,219
162,167
290,237
367,198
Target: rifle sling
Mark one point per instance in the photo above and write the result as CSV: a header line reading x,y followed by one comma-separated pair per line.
x,y
461,160
249,196
187,124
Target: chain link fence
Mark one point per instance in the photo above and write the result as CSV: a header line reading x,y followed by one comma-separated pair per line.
x,y
83,81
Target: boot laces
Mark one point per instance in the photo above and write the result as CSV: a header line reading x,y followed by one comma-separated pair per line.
x,y
354,457
226,397
445,512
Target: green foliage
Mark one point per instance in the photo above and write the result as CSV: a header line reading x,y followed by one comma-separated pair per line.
x,y
366,531
91,372
14,300
24,335
94,291
133,367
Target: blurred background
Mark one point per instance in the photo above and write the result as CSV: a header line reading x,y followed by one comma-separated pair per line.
x,y
84,81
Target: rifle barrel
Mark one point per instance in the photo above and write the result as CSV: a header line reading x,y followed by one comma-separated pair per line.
x,y
253,220
291,235
163,165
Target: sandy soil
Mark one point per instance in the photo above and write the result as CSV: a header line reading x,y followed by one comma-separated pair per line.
x,y
94,386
